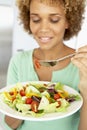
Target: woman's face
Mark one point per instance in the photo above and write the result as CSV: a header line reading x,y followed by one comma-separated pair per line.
x,y
47,24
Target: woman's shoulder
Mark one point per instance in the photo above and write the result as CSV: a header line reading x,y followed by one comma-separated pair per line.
x,y
22,55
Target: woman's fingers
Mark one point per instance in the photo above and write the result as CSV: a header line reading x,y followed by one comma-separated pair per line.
x,y
81,64
80,59
83,49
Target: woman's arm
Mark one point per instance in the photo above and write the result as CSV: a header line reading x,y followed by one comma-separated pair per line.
x,y
83,117
83,112
80,60
12,78
13,122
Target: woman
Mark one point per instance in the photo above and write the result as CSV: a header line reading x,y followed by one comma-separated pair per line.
x,y
51,22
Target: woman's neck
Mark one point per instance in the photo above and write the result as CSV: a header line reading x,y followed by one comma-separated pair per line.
x,y
52,54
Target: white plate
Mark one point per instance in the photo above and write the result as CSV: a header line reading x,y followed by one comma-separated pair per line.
x,y
74,107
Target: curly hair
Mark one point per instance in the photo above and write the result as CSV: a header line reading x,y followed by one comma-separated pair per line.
x,y
74,10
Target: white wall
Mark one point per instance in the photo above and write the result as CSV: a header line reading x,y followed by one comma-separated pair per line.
x,y
22,41
6,2
6,25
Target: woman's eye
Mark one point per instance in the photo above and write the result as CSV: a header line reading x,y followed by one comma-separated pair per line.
x,y
54,20
35,20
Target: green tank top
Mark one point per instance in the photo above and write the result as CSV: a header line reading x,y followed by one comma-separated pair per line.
x,y
21,69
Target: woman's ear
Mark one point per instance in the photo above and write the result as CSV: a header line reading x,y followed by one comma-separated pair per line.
x,y
67,25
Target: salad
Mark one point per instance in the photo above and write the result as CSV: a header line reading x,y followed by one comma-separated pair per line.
x,y
37,99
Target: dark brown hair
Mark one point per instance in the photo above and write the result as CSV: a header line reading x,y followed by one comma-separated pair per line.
x,y
74,10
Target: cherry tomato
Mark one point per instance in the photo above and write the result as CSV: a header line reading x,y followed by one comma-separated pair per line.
x,y
34,106
56,96
28,100
22,92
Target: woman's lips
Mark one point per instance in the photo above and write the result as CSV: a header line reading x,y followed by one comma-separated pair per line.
x,y
45,39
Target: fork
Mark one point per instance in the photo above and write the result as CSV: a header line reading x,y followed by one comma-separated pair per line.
x,y
54,62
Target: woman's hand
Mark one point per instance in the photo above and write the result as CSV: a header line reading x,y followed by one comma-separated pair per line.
x,y
12,122
80,60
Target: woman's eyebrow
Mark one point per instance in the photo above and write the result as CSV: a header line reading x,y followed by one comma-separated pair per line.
x,y
51,14
56,14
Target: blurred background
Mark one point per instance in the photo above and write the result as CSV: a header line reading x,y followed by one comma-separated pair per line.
x,y
6,28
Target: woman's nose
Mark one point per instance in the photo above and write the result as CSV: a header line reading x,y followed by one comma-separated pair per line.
x,y
44,26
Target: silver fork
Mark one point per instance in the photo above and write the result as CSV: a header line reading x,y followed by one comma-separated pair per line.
x,y
54,62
